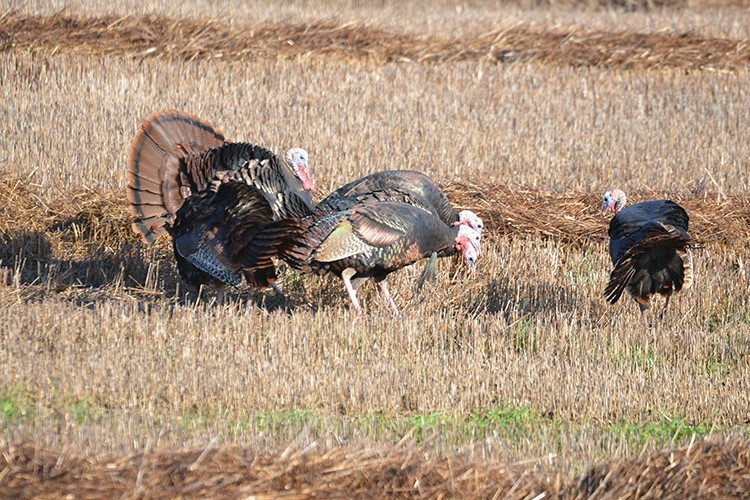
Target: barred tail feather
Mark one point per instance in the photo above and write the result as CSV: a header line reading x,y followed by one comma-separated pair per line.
x,y
619,279
153,189
686,255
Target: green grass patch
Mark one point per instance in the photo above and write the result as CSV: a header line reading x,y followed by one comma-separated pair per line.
x,y
667,430
15,403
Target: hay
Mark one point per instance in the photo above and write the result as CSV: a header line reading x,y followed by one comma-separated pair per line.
x,y
719,469
712,468
234,471
154,36
575,217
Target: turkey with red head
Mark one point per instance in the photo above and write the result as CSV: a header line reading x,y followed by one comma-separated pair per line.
x,y
408,186
650,250
177,169
372,240
175,155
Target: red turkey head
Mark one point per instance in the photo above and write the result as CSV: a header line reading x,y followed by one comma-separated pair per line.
x,y
613,201
297,159
467,242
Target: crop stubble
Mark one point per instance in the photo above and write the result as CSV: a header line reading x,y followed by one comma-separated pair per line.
x,y
529,143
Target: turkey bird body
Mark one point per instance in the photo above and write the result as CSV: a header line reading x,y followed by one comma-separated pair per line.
x,y
650,252
368,240
184,177
214,237
405,186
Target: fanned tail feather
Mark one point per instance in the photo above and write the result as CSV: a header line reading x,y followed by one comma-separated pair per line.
x,y
658,237
153,181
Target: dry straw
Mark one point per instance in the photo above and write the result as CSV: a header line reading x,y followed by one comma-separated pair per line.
x,y
575,217
153,36
716,468
102,216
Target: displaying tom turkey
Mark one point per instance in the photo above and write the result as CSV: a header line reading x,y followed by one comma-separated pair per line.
x,y
174,155
176,168
408,186
650,250
372,240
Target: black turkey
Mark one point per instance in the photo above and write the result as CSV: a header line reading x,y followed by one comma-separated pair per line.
x,y
178,167
650,250
174,155
408,186
372,240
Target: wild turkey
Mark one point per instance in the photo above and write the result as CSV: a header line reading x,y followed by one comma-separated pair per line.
x,y
650,250
174,155
371,240
407,186
177,164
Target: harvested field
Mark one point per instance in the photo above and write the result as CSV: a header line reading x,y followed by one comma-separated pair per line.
x,y
518,380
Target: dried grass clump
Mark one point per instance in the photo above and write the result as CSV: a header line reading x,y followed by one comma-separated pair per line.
x,y
717,468
78,224
575,217
237,471
139,36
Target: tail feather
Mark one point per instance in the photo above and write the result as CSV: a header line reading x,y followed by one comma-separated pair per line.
x,y
158,149
660,239
619,279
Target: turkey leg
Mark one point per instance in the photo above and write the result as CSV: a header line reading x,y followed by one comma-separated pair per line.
x,y
385,294
346,275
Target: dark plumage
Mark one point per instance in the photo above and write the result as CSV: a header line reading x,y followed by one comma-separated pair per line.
x,y
650,250
213,195
371,240
175,155
405,186
214,237
405,181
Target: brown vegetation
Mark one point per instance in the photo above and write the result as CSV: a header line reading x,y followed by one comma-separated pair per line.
x,y
712,469
152,36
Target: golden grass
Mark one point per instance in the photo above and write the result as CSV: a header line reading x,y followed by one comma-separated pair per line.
x,y
123,363
554,129
151,36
